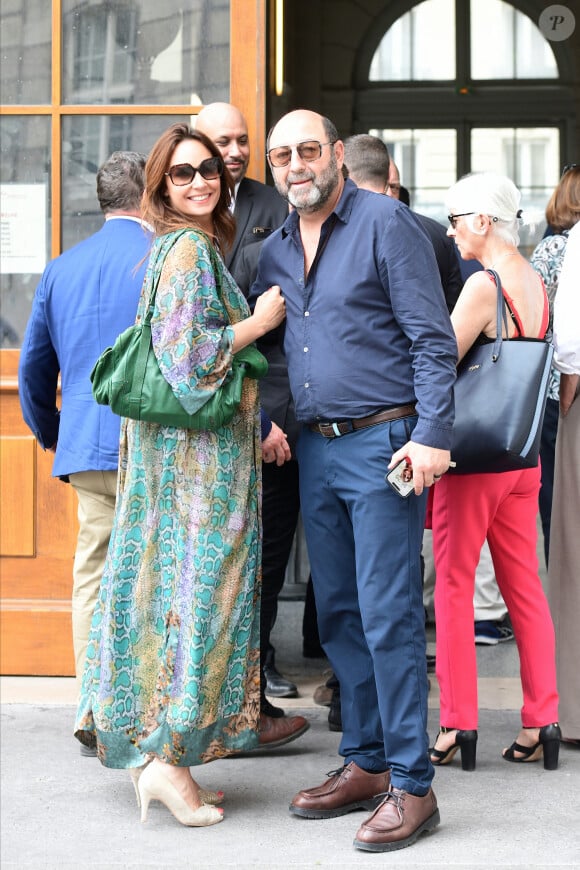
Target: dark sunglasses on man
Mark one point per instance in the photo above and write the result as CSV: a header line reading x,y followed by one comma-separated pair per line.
x,y
184,173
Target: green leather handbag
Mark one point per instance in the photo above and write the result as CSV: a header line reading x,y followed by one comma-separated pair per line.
x,y
127,378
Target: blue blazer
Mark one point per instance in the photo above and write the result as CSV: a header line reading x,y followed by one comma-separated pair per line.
x,y
85,298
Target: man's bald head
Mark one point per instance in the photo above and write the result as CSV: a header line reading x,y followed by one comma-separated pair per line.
x,y
394,185
306,158
302,120
225,125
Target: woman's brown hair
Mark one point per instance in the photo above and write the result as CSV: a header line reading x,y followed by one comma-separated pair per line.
x,y
157,209
563,209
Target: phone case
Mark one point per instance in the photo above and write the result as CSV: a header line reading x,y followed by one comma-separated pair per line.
x,y
398,478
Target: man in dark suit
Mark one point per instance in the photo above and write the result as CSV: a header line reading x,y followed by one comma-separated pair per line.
x,y
259,210
281,498
369,165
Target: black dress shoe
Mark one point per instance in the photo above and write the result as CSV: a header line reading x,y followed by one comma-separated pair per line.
x,y
335,712
278,686
269,710
312,651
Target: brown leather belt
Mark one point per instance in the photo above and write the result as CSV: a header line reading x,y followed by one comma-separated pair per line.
x,y
343,427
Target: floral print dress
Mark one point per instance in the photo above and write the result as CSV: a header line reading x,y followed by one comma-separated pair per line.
x,y
172,665
547,260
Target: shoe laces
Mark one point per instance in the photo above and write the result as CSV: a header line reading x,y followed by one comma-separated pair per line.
x,y
398,798
337,772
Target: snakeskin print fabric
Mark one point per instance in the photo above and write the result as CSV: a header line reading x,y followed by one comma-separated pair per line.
x,y
173,659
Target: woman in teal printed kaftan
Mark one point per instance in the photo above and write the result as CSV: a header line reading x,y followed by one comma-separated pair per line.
x,y
172,669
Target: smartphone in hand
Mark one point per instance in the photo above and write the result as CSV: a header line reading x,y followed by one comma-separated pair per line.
x,y
401,478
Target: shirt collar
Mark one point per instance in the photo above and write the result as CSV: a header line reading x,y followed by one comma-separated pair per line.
x,y
129,217
342,209
235,195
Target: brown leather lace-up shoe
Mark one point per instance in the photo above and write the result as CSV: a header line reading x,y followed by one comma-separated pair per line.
x,y
279,731
398,821
347,789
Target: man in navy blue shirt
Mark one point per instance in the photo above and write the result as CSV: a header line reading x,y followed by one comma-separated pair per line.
x,y
371,357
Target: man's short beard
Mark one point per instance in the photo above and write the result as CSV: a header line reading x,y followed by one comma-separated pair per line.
x,y
321,191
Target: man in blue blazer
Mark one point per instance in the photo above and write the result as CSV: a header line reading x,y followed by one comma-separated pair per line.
x,y
85,298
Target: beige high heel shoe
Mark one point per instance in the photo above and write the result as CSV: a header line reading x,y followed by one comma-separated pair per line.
x,y
154,785
213,798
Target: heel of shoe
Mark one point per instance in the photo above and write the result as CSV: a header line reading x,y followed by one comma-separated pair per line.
x,y
135,773
467,742
143,802
550,736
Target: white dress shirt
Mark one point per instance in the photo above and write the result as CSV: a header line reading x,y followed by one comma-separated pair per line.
x,y
567,308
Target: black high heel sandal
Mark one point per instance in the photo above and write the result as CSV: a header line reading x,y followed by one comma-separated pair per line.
x,y
547,746
466,741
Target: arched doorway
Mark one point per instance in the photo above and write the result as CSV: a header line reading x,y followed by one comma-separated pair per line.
x,y
454,86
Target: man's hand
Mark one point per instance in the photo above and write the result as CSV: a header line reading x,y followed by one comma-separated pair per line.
x,y
428,463
275,446
568,387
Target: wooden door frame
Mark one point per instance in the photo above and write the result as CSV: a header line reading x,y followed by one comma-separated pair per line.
x,y
36,554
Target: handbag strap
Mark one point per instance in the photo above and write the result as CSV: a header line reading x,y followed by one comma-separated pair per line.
x,y
156,267
500,315
155,273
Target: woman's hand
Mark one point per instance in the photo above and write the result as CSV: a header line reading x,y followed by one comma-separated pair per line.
x,y
270,309
269,313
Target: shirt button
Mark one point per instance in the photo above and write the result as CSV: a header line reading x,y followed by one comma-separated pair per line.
x,y
306,384
305,350
307,314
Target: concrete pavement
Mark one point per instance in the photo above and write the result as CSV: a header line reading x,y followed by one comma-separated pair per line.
x,y
61,810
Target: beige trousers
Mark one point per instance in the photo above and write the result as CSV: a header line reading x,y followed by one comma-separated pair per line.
x,y
564,568
96,493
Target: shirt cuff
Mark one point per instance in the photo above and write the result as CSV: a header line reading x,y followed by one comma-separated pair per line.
x,y
265,424
432,436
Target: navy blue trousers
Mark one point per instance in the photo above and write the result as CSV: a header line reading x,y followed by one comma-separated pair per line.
x,y
364,544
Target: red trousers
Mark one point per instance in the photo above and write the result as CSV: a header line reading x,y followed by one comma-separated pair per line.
x,y
502,507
